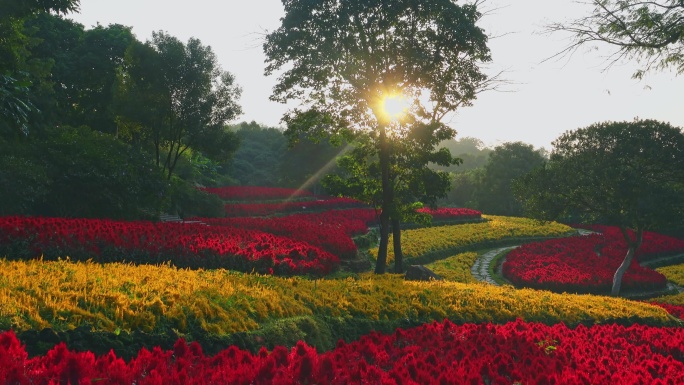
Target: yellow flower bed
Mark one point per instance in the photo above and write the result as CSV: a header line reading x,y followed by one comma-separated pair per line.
x,y
455,268
417,242
675,274
64,295
36,294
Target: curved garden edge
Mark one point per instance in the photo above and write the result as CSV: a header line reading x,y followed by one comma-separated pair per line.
x,y
488,268
499,243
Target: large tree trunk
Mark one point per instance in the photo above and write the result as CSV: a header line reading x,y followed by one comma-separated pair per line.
x,y
396,241
381,262
632,246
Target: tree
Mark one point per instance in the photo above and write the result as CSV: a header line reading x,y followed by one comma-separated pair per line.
x,y
258,159
176,97
15,105
343,59
471,150
506,163
463,187
52,70
82,71
626,174
413,183
15,41
650,31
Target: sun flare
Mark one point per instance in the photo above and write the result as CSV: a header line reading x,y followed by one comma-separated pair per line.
x,y
394,106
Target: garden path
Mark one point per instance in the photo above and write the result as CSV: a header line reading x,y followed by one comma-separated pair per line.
x,y
480,269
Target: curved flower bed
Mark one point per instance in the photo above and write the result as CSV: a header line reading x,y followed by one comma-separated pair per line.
x,y
419,242
584,264
330,230
266,209
654,245
674,274
183,244
675,310
256,193
455,267
442,353
66,295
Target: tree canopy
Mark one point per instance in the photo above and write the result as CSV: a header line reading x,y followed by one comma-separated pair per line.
x,y
506,163
626,174
92,100
175,96
15,44
78,172
341,59
650,31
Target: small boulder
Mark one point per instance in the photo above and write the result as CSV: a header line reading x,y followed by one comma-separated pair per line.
x,y
421,273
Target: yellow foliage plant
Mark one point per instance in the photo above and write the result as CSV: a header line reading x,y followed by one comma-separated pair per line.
x,y
418,242
64,295
675,274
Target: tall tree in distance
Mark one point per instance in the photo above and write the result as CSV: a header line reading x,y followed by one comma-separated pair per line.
x,y
345,61
625,174
506,163
652,32
176,97
471,150
258,160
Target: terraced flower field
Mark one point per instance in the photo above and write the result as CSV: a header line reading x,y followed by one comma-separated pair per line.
x,y
124,320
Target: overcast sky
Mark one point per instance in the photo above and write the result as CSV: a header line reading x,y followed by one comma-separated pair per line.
x,y
545,98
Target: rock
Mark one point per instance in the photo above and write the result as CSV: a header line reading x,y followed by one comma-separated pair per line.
x,y
421,273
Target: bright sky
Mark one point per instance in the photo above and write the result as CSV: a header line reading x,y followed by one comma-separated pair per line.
x,y
546,98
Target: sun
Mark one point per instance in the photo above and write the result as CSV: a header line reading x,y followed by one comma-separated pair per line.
x,y
394,106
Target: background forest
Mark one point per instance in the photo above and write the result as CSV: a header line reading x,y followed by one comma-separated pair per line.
x,y
145,123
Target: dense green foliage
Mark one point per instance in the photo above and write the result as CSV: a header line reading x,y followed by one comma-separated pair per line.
x,y
485,183
471,151
135,105
265,159
79,80
78,172
15,66
256,162
506,163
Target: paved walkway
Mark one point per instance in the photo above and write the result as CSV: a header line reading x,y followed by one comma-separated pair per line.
x,y
480,269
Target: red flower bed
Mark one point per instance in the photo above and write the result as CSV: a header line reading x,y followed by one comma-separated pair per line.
x,y
184,244
255,193
266,209
436,353
446,213
330,230
583,264
675,310
654,245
